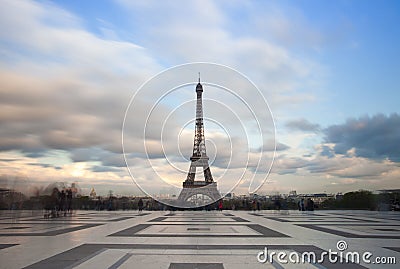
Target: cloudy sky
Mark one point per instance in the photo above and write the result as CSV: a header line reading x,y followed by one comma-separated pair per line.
x,y
330,72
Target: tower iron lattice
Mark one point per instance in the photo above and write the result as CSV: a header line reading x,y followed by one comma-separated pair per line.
x,y
199,158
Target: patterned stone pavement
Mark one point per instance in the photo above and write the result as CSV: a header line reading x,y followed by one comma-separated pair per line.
x,y
200,239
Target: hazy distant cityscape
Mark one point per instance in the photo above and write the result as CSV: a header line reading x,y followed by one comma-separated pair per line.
x,y
383,200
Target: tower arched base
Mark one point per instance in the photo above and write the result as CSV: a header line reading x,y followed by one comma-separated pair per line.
x,y
209,190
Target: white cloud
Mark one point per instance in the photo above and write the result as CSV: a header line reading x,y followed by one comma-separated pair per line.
x,y
66,88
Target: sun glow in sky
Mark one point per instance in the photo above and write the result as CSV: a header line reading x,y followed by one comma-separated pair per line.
x,y
329,70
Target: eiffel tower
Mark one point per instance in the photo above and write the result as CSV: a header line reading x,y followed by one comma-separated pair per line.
x,y
191,187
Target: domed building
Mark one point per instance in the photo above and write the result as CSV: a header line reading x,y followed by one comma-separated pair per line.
x,y
55,185
76,190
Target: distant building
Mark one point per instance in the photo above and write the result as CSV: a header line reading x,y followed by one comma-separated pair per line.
x,y
317,198
76,190
292,194
11,199
396,191
339,196
55,185
93,194
229,195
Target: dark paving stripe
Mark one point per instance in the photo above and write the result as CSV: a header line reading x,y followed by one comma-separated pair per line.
x,y
17,228
84,259
240,219
56,232
132,232
198,229
120,219
231,223
159,219
375,216
82,253
126,213
258,215
383,218
68,258
387,230
358,219
91,219
72,229
267,232
7,245
346,234
301,219
197,219
196,266
358,224
121,261
397,249
286,215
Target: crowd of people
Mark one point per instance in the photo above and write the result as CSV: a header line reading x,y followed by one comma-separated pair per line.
x,y
307,205
59,203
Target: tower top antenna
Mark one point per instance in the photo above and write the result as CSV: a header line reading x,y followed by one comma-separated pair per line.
x,y
199,77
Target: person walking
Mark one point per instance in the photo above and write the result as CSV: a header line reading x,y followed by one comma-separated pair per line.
x,y
220,205
140,205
